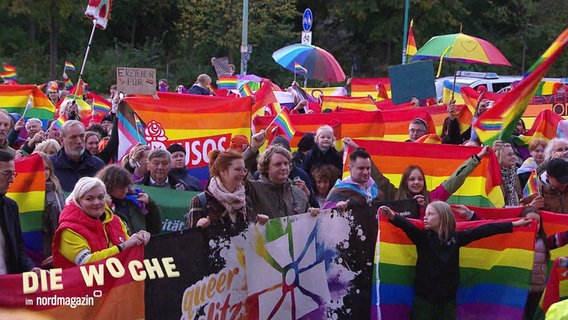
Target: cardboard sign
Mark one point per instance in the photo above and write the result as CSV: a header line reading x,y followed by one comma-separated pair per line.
x,y
136,80
412,80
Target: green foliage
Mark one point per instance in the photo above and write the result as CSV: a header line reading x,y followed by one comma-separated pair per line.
x,y
178,38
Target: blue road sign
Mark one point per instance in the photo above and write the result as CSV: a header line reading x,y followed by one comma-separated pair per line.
x,y
307,19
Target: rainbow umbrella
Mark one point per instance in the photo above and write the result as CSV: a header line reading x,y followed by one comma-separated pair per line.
x,y
461,48
320,64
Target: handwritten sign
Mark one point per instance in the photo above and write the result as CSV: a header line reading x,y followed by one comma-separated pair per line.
x,y
136,80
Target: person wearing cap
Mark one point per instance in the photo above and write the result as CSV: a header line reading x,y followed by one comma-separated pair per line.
x,y
416,129
106,123
305,144
52,92
239,143
179,170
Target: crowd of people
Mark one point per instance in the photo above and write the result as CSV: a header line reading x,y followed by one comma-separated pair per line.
x,y
107,210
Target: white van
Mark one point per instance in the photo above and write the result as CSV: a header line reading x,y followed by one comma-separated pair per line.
x,y
490,80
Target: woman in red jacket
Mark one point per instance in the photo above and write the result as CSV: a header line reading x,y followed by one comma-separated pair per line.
x,y
88,230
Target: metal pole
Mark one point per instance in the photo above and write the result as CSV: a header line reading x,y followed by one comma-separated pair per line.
x,y
405,35
244,42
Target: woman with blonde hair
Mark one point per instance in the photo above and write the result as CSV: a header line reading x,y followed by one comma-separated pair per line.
x,y
437,275
49,147
510,184
88,230
202,86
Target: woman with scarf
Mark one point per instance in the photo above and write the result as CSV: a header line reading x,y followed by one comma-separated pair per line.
x,y
133,206
224,199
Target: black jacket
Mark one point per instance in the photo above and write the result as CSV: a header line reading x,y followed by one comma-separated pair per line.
x,y
437,267
17,261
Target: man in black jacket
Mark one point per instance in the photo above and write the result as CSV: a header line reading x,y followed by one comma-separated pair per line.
x,y
12,256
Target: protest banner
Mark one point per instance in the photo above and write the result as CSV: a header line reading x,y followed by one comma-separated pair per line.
x,y
136,80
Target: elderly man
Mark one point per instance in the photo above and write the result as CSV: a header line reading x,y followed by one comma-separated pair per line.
x,y
35,134
5,125
12,256
158,175
179,170
274,194
416,129
73,162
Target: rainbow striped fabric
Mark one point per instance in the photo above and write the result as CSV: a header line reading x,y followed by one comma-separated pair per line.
x,y
396,122
15,98
495,273
499,122
411,42
285,124
298,68
101,106
205,128
363,87
9,73
69,66
28,190
438,161
245,90
350,103
227,83
532,185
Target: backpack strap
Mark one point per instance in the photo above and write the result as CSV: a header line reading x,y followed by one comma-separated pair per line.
x,y
203,200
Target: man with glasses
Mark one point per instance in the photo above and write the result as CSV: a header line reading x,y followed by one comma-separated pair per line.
x,y
12,256
73,162
158,175
416,129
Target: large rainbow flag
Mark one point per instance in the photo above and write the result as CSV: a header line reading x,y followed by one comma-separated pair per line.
x,y
439,113
353,124
199,123
14,98
439,161
363,87
361,104
495,273
101,290
28,190
499,122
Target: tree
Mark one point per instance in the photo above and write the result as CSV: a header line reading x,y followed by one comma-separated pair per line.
x,y
47,14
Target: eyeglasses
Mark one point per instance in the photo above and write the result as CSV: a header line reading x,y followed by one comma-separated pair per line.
x,y
416,130
9,173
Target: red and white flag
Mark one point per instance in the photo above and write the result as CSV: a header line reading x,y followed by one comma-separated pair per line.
x,y
99,11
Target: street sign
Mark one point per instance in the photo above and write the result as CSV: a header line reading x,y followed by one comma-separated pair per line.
x,y
307,37
307,20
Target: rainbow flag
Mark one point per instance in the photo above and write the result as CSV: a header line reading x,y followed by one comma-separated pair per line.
x,y
245,90
15,98
350,103
90,291
471,96
227,83
285,124
101,106
499,122
363,87
28,190
69,66
532,185
353,124
544,126
439,113
139,125
168,121
411,43
298,68
429,138
547,88
495,273
438,161
85,109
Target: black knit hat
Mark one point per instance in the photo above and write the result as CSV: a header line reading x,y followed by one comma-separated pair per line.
x,y
175,148
306,143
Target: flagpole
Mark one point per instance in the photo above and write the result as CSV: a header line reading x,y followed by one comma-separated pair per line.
x,y
405,32
271,122
85,58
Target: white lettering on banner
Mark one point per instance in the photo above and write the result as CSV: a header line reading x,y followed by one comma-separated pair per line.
x,y
196,151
